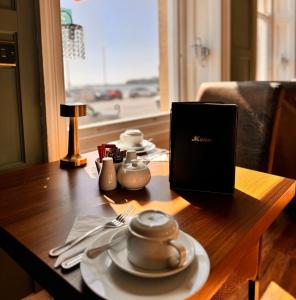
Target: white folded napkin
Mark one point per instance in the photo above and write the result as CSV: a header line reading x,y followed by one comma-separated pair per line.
x,y
156,155
81,225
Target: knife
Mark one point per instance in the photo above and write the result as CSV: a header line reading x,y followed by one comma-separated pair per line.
x,y
91,253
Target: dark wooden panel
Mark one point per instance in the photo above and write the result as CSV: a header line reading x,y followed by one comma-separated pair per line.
x,y
6,37
240,70
30,82
8,21
240,29
243,30
10,119
21,105
7,4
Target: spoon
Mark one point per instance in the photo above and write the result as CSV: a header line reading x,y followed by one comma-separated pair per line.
x,y
91,253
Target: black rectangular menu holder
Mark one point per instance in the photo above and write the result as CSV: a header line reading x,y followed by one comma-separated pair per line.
x,y
202,146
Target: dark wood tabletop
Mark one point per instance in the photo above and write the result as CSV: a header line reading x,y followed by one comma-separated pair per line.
x,y
39,204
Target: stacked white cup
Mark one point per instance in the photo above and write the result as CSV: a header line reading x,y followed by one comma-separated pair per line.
x,y
132,138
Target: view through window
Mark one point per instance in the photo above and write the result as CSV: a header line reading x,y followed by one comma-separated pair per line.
x,y
111,57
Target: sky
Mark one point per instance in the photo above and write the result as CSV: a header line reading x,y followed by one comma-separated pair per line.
x,y
121,33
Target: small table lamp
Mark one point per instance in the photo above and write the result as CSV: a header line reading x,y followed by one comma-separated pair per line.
x,y
73,158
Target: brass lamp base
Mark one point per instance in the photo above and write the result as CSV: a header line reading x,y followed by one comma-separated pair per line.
x,y
73,158
73,161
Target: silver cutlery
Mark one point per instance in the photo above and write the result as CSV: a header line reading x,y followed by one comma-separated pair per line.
x,y
91,253
72,261
115,223
94,252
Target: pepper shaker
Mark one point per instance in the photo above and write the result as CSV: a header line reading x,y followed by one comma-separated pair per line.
x,y
108,179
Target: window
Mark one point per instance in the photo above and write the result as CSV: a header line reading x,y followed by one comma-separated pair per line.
x,y
154,126
275,40
264,41
111,57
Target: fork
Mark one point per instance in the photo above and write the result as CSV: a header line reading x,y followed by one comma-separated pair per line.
x,y
115,223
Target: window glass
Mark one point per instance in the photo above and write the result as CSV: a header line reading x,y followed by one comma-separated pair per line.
x,y
111,57
276,40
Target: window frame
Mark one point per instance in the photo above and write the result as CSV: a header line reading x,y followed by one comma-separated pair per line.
x,y
53,89
267,18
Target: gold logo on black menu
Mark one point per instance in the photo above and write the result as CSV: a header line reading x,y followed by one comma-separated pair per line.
x,y
201,139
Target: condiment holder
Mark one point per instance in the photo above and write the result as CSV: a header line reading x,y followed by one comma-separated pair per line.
x,y
134,175
109,150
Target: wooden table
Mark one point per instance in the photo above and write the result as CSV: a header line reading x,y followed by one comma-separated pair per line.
x,y
38,206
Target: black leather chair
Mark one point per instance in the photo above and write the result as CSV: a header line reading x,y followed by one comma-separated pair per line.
x,y
266,139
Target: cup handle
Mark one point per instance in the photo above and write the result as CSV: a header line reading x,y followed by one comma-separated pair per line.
x,y
181,250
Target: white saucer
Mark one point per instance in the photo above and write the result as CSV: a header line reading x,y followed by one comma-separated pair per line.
x,y
118,254
145,147
108,281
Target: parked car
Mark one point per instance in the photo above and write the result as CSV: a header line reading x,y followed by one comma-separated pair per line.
x,y
101,95
141,92
114,94
108,95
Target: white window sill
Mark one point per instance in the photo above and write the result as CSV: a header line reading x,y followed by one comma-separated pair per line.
x,y
153,126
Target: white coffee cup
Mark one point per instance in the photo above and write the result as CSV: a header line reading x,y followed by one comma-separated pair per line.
x,y
153,241
132,138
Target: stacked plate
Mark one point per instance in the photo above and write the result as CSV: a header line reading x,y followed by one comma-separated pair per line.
x,y
145,147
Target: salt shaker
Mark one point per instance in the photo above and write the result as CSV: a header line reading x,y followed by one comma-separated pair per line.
x,y
107,179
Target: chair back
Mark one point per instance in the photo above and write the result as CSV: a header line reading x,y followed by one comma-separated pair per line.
x,y
258,109
284,160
